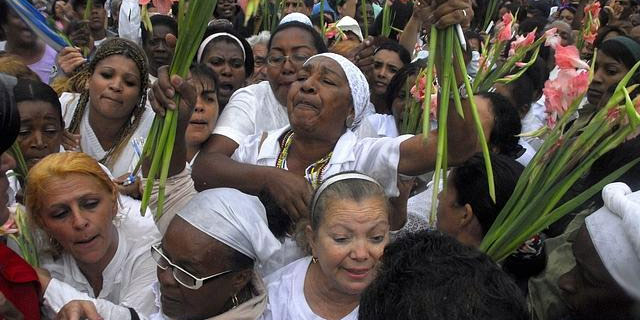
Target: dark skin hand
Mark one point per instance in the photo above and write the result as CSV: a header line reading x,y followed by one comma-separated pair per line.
x,y
79,33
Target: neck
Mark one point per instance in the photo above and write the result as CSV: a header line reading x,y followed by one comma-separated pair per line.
x,y
324,299
309,150
93,271
192,150
99,34
380,103
106,135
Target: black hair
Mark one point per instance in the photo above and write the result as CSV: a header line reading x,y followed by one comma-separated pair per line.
x,y
309,3
571,9
402,52
400,78
277,219
506,125
159,20
31,90
401,13
77,3
202,71
470,183
531,82
9,116
470,34
4,12
604,31
429,275
318,41
248,52
535,23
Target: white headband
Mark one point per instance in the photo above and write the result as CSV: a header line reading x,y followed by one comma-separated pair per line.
x,y
296,16
216,35
337,178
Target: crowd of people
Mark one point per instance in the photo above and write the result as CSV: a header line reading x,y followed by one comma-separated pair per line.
x,y
293,191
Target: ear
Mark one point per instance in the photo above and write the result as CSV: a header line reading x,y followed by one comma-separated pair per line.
x,y
241,279
467,216
308,233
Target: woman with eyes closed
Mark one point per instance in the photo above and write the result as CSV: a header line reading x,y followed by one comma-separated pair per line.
x,y
112,109
230,57
345,237
99,250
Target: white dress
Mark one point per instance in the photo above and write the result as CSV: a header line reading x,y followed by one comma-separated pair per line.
x,y
251,110
89,143
286,294
127,279
376,157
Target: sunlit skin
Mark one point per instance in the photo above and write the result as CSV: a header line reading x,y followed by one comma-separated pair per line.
x,y
204,116
348,245
114,90
40,130
386,64
157,49
77,212
227,62
608,72
286,43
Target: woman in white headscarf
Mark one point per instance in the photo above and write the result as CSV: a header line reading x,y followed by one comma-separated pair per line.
x,y
211,256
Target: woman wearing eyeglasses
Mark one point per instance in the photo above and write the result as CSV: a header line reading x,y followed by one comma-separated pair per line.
x,y
207,257
100,251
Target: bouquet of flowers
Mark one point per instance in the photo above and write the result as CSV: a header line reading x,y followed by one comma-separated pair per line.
x,y
566,155
158,146
590,25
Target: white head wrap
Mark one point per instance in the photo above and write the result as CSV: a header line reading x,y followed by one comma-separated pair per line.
x,y
357,83
350,24
296,16
235,219
615,233
216,35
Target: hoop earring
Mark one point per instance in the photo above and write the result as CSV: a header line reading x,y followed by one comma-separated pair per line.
x,y
314,260
349,121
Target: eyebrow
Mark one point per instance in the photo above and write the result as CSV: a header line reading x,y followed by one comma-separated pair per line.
x,y
205,92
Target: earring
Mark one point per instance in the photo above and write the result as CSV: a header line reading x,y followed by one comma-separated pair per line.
x,y
314,260
234,301
349,121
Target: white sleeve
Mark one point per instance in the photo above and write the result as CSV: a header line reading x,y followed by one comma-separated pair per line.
x,y
237,120
59,293
248,150
379,158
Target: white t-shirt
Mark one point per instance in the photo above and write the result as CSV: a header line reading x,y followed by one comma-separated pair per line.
x,y
89,143
286,294
251,110
127,279
376,157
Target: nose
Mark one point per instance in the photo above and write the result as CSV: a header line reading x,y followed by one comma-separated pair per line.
x,y
165,277
115,84
567,282
288,67
199,107
226,70
38,142
7,162
79,221
359,252
597,76
308,86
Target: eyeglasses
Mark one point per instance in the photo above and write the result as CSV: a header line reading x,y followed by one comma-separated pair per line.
x,y
277,61
182,276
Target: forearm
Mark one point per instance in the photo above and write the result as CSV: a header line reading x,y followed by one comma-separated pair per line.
x,y
409,36
215,170
349,8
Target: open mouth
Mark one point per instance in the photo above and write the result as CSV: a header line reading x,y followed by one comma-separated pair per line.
x,y
226,88
86,242
357,274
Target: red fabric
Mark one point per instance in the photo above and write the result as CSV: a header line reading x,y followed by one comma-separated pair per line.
x,y
19,283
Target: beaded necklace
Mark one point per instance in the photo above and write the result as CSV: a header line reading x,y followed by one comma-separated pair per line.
x,y
314,172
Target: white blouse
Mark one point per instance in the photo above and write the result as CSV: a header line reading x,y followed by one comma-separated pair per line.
x,y
376,157
126,281
251,110
286,294
89,143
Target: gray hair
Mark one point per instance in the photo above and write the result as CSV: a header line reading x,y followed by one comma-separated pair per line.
x,y
261,38
349,187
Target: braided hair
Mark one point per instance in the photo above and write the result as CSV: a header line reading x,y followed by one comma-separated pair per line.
x,y
114,46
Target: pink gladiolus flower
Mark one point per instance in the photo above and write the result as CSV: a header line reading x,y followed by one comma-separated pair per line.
x,y
594,8
561,92
433,108
522,42
569,58
417,91
552,37
521,64
505,32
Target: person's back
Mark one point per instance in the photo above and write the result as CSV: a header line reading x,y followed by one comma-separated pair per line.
x,y
428,275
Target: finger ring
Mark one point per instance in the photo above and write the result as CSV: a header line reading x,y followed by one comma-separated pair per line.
x,y
464,11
